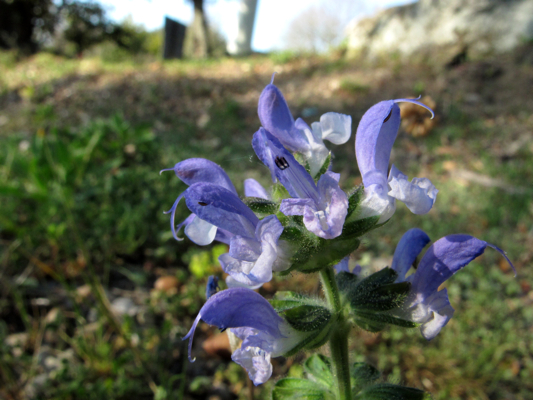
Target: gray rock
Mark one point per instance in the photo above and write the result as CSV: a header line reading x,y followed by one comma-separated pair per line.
x,y
449,28
35,386
124,306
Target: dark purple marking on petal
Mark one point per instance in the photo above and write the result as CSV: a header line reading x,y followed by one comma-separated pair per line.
x,y
284,166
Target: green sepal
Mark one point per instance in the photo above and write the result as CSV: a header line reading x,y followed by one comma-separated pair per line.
x,y
377,319
286,300
351,286
354,198
301,389
382,298
294,230
261,206
312,257
299,157
370,326
382,277
324,168
378,292
346,281
318,368
360,227
387,391
363,375
279,192
369,299
306,317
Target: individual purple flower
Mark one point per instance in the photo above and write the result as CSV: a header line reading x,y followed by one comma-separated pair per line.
x,y
190,171
297,136
323,205
263,332
425,304
375,136
255,250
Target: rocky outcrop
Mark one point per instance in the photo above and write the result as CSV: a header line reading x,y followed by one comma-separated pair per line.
x,y
445,28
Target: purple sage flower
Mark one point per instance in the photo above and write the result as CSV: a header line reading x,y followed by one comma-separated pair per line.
x,y
323,205
263,332
375,136
425,304
255,250
297,136
190,171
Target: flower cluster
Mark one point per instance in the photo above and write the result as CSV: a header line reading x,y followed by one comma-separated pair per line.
x,y
309,223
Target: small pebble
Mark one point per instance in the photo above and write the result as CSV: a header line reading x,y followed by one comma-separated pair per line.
x,y
168,284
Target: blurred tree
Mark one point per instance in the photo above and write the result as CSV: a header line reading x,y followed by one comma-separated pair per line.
x,y
241,44
199,32
321,26
25,23
86,24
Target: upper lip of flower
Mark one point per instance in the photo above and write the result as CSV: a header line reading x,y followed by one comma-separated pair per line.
x,y
297,136
302,187
375,137
191,171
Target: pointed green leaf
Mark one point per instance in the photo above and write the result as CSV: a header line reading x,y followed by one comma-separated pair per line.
x,y
382,298
387,391
359,227
324,168
354,198
362,375
301,389
371,326
307,318
279,192
261,206
326,254
382,318
346,281
318,367
369,284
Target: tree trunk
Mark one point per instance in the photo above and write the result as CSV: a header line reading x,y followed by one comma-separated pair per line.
x,y
241,45
201,45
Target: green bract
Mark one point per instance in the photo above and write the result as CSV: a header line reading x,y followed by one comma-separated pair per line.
x,y
305,315
369,300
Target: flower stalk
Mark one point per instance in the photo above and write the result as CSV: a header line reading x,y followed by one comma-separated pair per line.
x,y
338,342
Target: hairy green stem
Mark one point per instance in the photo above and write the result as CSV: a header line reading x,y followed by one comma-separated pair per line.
x,y
338,341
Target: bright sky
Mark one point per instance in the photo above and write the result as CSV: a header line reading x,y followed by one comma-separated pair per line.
x,y
272,17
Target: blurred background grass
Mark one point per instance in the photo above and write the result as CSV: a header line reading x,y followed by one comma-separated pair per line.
x,y
95,294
